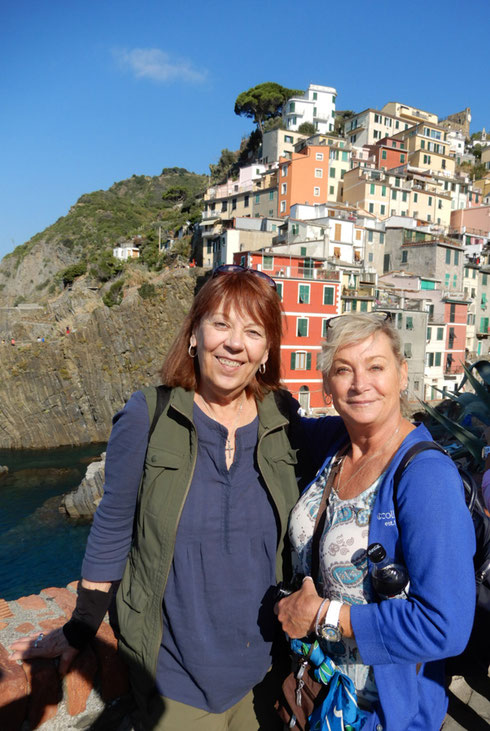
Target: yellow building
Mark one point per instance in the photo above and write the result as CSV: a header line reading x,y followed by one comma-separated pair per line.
x,y
386,193
427,147
411,114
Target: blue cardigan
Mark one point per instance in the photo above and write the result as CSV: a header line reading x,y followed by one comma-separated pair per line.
x,y
435,539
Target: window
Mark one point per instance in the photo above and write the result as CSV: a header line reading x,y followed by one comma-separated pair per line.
x,y
371,208
223,207
382,209
314,111
383,190
279,286
302,327
233,204
452,313
331,190
328,293
267,262
409,323
318,173
324,329
245,201
304,294
316,191
358,235
257,197
484,279
393,195
338,232
404,256
437,361
284,170
295,229
484,324
342,173
407,350
426,159
430,359
381,235
345,155
384,155
315,96
283,206
429,333
404,197
397,182
284,188
456,257
292,107
370,236
415,197
332,172
402,157
372,189
440,333
448,256
319,156
300,361
271,195
288,138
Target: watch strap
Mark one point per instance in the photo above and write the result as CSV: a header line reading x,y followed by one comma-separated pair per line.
x,y
333,614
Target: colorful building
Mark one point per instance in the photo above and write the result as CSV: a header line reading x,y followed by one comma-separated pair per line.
x,y
310,295
303,178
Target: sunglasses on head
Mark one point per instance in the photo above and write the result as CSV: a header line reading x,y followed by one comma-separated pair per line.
x,y
379,314
237,269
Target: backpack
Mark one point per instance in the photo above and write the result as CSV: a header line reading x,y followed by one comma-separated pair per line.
x,y
475,659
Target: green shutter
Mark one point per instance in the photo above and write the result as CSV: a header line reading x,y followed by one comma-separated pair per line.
x,y
308,361
293,361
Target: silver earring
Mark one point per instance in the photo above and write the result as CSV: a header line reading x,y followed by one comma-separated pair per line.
x,y
262,368
189,350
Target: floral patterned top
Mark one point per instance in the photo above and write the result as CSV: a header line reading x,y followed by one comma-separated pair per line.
x,y
343,565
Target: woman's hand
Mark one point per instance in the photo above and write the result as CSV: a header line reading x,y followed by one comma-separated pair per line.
x,y
297,612
53,644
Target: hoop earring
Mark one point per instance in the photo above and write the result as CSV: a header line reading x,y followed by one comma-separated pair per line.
x,y
190,348
262,368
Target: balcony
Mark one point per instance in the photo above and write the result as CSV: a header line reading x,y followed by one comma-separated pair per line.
x,y
289,272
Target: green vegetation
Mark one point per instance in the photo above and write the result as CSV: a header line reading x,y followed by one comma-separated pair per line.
x,y
222,170
136,206
147,291
69,274
464,415
341,117
104,265
307,128
114,294
263,102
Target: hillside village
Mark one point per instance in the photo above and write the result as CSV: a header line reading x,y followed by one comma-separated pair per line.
x,y
383,216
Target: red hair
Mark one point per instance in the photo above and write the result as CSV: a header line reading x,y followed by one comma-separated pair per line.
x,y
245,293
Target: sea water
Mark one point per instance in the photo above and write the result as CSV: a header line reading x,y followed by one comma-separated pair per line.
x,y
39,546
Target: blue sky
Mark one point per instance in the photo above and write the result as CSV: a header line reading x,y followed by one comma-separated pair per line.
x,y
93,92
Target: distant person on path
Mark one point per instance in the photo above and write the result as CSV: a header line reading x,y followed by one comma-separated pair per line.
x,y
12,342
195,604
67,330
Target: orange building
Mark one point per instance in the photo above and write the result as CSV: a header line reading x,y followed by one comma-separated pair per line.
x,y
389,153
310,295
303,178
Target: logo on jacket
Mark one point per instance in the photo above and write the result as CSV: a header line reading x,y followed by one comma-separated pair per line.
x,y
389,517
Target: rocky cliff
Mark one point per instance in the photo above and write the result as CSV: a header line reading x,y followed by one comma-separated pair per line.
x,y
65,390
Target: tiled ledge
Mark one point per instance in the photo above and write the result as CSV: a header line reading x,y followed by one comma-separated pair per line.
x,y
32,694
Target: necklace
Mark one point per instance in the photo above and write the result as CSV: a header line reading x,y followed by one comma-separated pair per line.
x,y
229,447
376,454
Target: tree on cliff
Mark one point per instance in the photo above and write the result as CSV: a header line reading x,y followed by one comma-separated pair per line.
x,y
263,102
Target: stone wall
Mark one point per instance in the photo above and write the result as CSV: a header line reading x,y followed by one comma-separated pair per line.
x,y
95,692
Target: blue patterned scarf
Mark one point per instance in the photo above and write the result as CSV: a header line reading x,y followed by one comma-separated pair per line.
x,y
339,710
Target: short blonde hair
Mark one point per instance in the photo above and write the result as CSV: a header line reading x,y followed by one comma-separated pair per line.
x,y
353,328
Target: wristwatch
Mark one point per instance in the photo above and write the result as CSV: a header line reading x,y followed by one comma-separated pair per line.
x,y
329,629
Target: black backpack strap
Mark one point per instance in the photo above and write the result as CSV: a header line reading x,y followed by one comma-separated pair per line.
x,y
407,459
163,395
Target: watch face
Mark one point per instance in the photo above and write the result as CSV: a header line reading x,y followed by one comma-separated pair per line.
x,y
330,633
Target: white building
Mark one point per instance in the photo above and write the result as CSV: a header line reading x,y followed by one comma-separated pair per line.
x,y
317,106
126,251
